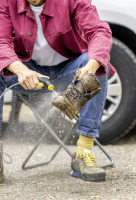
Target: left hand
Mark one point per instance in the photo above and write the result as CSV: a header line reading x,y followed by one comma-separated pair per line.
x,y
90,67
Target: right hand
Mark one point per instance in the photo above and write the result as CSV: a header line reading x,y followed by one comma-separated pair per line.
x,y
27,78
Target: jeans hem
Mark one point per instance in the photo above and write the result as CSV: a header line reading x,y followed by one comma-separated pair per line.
x,y
87,134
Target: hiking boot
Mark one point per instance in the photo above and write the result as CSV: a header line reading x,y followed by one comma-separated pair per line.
x,y
74,98
1,162
84,166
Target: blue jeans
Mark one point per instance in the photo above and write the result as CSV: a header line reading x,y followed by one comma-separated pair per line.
x,y
61,76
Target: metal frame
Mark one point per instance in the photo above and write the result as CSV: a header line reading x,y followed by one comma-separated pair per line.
x,y
56,137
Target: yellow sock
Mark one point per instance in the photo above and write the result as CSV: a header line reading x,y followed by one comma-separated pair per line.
x,y
84,143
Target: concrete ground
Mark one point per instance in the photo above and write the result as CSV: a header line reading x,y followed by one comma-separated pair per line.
x,y
54,181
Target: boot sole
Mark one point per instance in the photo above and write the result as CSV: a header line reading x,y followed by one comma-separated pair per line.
x,y
1,177
89,177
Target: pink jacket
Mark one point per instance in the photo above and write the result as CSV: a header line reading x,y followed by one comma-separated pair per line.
x,y
71,27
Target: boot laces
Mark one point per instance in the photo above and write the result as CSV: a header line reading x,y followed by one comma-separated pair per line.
x,y
88,159
75,93
3,158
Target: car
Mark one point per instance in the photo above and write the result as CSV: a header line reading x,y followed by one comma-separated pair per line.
x,y
119,115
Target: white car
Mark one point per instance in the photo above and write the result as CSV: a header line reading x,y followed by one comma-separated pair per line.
x,y
119,115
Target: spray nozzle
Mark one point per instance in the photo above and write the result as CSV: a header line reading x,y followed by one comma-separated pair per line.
x,y
45,82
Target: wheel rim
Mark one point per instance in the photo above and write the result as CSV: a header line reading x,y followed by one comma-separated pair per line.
x,y
113,98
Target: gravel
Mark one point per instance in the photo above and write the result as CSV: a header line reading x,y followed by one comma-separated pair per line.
x,y
53,181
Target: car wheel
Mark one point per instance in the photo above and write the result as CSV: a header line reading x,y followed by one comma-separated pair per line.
x,y
119,114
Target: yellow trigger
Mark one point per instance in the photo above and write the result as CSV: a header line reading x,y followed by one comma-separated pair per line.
x,y
41,84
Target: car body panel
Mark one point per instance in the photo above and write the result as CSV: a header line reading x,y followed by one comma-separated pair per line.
x,y
120,12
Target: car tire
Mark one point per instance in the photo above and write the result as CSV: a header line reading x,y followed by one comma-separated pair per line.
x,y
123,118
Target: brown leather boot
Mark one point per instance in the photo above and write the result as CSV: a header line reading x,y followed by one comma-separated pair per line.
x,y
74,98
1,162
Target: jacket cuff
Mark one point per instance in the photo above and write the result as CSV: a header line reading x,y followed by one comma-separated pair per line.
x,y
6,73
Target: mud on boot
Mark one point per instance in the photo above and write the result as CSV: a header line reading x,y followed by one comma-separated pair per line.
x,y
74,98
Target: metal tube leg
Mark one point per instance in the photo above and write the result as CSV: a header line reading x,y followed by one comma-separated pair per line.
x,y
53,156
33,150
47,126
62,143
104,151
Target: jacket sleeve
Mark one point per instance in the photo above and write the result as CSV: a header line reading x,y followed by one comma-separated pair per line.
x,y
96,32
7,53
